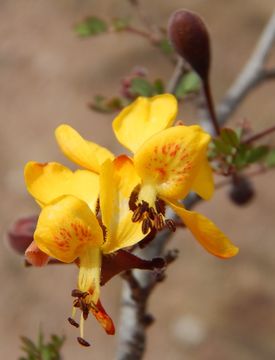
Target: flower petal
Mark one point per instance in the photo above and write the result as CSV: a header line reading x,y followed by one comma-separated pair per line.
x,y
103,318
203,183
122,261
84,153
206,232
46,182
66,228
171,159
117,180
144,118
35,256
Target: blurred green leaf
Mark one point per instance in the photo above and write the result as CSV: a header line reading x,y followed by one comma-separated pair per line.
x,y
256,154
120,24
159,86
270,158
141,87
105,105
166,46
230,137
189,83
221,147
91,26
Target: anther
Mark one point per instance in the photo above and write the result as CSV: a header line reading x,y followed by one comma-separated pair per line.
x,y
159,222
146,224
160,206
73,322
137,214
133,199
144,206
82,341
152,213
77,293
171,224
76,303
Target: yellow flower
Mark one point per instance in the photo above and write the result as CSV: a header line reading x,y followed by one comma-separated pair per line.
x,y
69,229
171,162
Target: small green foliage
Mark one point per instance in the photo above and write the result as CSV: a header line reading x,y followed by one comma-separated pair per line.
x,y
230,137
105,105
141,87
91,26
165,46
42,350
270,158
159,86
189,83
120,24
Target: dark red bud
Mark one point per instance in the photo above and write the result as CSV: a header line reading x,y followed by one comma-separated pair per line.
x,y
189,36
241,191
20,235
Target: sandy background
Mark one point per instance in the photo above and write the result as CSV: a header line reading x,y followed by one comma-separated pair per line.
x,y
207,309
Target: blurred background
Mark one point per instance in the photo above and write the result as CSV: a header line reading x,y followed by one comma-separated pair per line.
x,y
207,309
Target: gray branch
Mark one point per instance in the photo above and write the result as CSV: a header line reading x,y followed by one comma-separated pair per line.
x,y
132,331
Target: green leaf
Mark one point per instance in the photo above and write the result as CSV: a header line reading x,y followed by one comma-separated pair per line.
x,y
159,86
256,154
90,27
141,87
270,158
221,147
165,46
230,137
105,105
120,24
189,83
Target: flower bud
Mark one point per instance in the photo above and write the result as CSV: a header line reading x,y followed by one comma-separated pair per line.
x,y
241,191
20,235
189,36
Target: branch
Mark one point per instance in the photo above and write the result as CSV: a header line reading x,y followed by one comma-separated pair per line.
x,y
252,75
132,331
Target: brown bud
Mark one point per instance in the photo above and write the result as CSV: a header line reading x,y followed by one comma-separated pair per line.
x,y
241,191
189,36
20,236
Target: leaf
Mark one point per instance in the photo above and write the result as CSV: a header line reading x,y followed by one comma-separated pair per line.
x,y
189,83
270,158
256,154
90,27
230,137
105,105
141,87
221,147
159,86
120,24
166,46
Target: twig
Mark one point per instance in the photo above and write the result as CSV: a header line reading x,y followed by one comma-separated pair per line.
x,y
132,338
259,135
252,75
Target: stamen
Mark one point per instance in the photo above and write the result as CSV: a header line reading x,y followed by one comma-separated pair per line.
x,y
159,222
81,326
152,213
160,206
77,293
73,322
137,214
171,224
133,198
83,342
146,225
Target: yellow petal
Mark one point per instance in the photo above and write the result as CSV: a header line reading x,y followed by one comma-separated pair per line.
x,y
203,183
84,153
66,228
46,182
171,159
89,272
117,180
206,232
144,118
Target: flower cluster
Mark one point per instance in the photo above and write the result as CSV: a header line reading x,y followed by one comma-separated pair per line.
x,y
94,216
